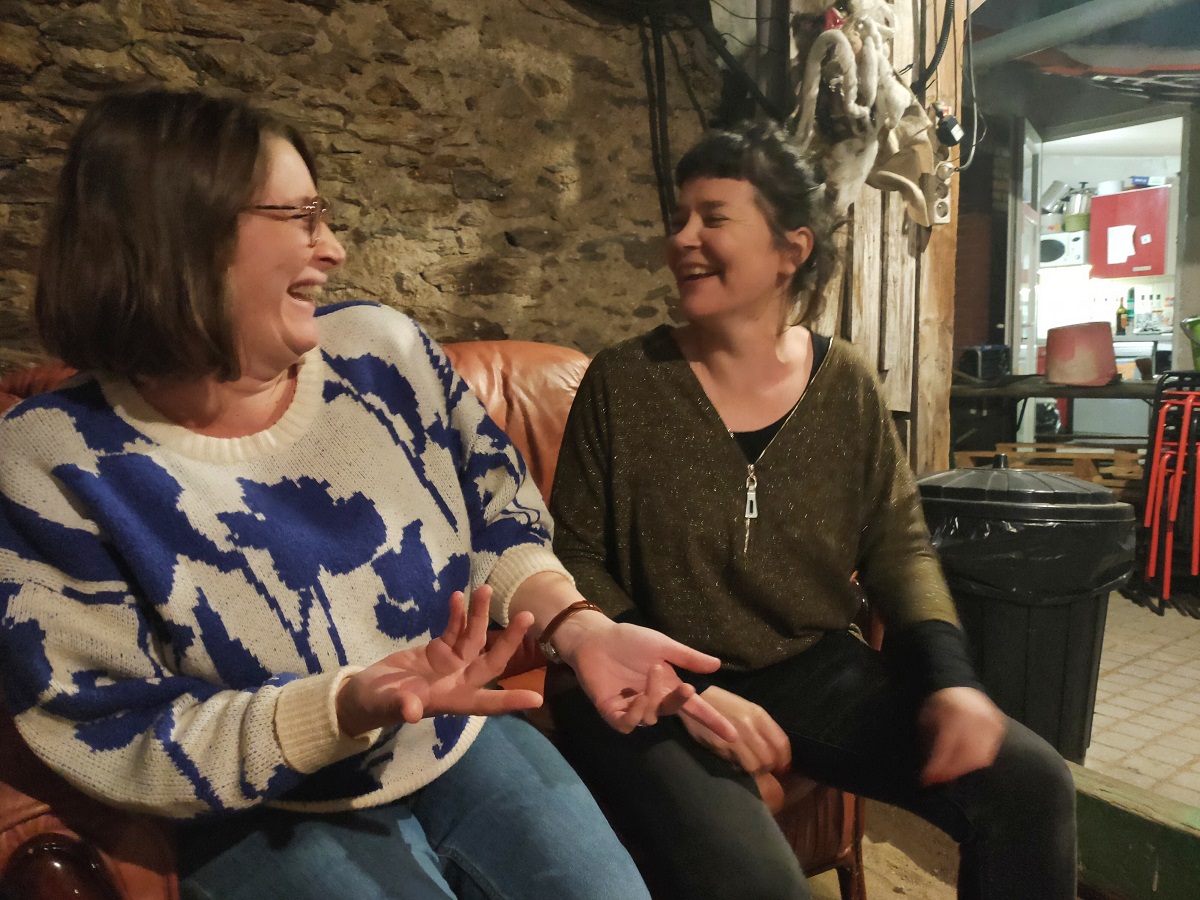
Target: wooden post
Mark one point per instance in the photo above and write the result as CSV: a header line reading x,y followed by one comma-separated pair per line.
x,y
895,295
934,337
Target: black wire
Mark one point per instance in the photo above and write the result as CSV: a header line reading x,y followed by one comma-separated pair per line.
x,y
969,54
733,66
687,83
931,85
754,46
662,173
657,28
943,39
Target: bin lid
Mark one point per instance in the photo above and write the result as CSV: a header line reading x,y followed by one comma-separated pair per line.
x,y
1000,491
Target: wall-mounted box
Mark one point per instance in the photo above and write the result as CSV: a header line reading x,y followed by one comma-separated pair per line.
x,y
1129,233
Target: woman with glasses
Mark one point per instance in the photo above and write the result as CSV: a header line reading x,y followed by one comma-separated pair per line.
x,y
234,551
724,482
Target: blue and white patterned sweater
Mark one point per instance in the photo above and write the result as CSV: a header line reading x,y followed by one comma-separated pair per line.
x,y
177,611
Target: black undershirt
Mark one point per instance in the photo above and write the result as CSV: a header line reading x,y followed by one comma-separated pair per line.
x,y
753,443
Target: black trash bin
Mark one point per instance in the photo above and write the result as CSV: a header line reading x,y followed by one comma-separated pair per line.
x,y
1030,557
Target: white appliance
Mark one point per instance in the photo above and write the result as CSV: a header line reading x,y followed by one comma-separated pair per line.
x,y
1064,248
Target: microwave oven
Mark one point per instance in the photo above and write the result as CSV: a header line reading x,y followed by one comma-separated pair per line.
x,y
1064,248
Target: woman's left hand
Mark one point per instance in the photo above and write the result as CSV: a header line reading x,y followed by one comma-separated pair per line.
x,y
628,672
963,729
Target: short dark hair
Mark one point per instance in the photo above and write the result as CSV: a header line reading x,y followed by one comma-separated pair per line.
x,y
788,193
133,266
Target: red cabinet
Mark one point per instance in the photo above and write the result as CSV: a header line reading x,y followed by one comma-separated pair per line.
x,y
1129,233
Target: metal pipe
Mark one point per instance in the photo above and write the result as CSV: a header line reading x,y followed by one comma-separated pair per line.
x,y
1064,27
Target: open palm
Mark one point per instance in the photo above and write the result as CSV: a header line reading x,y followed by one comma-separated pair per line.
x,y
450,674
628,672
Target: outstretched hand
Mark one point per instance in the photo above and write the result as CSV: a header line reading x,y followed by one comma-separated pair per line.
x,y
628,672
447,675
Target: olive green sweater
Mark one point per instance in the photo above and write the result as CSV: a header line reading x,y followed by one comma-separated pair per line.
x,y
650,503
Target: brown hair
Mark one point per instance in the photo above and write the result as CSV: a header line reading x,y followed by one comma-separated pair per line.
x,y
132,274
787,191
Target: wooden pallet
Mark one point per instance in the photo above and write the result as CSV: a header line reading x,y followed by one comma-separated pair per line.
x,y
1119,470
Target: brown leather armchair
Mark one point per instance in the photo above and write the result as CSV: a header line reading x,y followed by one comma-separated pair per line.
x,y
57,842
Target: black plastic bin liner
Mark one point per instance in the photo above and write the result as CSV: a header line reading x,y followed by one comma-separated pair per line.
x,y
1028,536
1035,563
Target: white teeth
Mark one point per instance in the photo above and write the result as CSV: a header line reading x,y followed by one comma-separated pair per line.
x,y
311,294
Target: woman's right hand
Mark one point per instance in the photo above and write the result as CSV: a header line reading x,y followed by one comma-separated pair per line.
x,y
761,745
446,676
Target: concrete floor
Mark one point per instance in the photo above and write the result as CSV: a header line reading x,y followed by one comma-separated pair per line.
x,y
1146,727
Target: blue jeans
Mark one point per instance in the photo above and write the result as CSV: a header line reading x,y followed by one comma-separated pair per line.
x,y
508,821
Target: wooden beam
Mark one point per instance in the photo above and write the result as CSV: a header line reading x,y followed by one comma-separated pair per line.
x,y
900,301
866,275
1133,844
898,283
930,451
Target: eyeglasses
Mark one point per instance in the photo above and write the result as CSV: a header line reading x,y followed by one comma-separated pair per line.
x,y
313,214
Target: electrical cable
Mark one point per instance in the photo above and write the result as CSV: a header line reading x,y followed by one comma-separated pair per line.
x,y
969,54
657,29
931,85
687,83
751,45
733,66
656,13
943,39
655,103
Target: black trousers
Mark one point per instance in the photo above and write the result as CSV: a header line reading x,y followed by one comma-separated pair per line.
x,y
700,830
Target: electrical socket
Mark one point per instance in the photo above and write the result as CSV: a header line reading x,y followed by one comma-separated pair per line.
x,y
936,186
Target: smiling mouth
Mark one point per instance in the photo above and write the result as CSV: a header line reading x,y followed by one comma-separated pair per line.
x,y
696,276
305,295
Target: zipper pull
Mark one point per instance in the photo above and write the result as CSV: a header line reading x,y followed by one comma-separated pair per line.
x,y
751,503
751,493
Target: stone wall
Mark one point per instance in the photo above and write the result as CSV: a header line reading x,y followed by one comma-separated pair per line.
x,y
488,161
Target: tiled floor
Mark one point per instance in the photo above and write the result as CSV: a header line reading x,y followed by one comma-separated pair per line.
x,y
1146,729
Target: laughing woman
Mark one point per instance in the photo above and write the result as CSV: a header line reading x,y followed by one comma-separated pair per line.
x,y
724,481
234,551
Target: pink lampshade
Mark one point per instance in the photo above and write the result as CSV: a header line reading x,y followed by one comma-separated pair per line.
x,y
1080,354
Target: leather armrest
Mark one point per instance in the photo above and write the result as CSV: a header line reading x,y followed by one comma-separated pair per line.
x,y
50,830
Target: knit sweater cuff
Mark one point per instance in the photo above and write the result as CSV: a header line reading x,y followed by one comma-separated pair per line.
x,y
306,722
931,655
514,566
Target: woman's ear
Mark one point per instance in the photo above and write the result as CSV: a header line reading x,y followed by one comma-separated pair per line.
x,y
800,244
